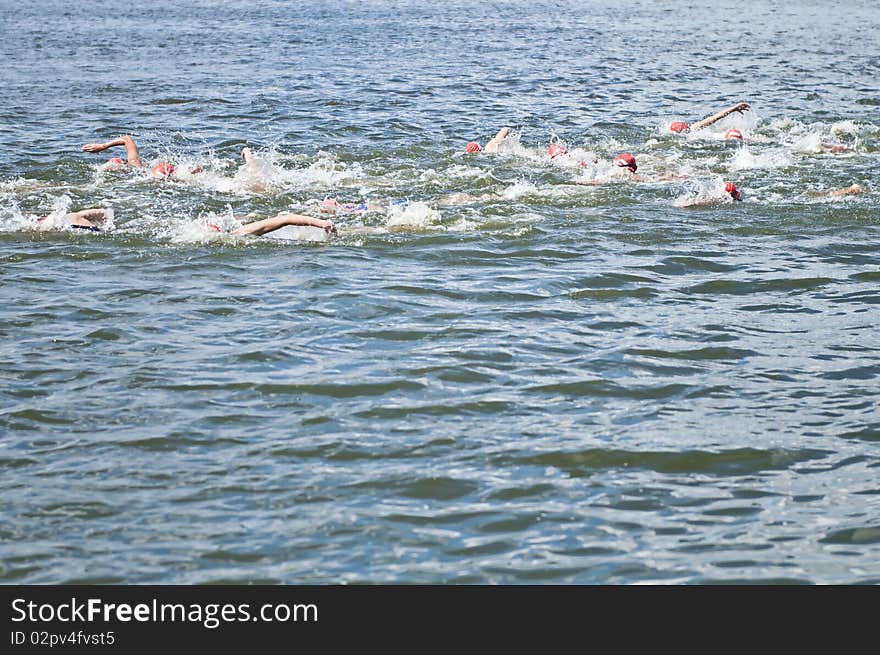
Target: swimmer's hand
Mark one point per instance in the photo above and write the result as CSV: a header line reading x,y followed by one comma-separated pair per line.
x,y
741,107
329,228
94,147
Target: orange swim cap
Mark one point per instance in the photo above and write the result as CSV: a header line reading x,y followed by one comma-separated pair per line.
x,y
162,169
733,133
556,149
626,160
473,146
730,188
679,126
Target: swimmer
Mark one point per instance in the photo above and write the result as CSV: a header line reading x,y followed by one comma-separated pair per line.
x,y
851,190
462,198
333,206
681,126
733,133
556,149
85,219
493,144
624,167
254,175
259,228
716,195
133,158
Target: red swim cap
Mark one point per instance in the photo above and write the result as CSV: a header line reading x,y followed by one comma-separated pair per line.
x,y
214,227
730,188
115,161
473,146
733,133
626,160
556,149
162,169
679,126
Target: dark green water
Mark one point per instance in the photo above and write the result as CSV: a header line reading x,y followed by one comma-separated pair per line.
x,y
543,381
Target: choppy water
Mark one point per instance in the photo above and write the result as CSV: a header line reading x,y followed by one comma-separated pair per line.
x,y
546,382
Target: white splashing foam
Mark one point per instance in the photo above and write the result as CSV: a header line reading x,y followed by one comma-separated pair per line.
x,y
575,158
809,143
744,159
299,233
11,218
844,127
519,189
414,215
57,218
701,194
192,232
265,173
462,172
601,172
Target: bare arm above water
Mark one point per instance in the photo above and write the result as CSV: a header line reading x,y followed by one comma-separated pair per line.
x,y
131,149
259,228
88,217
714,118
851,190
496,141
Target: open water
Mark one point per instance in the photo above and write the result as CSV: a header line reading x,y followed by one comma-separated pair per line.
x,y
501,375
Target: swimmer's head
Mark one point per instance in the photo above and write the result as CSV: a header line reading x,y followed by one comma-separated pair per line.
x,y
114,162
162,169
679,126
733,133
730,188
556,149
626,160
473,146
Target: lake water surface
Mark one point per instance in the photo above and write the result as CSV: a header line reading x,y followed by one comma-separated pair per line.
x,y
501,375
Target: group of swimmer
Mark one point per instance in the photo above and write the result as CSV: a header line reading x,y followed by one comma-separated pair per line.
x,y
623,166
90,219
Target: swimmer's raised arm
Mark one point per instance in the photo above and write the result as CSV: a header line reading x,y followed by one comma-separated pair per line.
x,y
714,118
284,219
131,149
248,155
496,141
